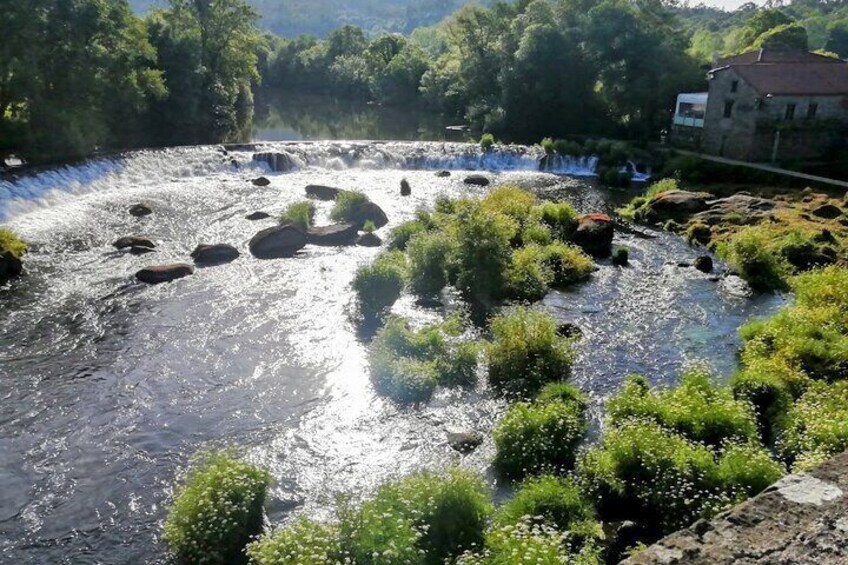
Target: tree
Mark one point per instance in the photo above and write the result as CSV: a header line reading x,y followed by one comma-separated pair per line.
x,y
759,23
837,38
788,36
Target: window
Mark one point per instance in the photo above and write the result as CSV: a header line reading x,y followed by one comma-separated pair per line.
x,y
790,112
734,86
728,109
812,109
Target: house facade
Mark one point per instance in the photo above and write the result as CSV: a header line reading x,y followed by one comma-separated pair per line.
x,y
770,105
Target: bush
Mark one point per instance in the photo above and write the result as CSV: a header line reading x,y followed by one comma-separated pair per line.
x,y
528,277
300,214
816,427
697,409
536,233
568,148
428,263
762,386
400,236
547,500
537,438
511,201
487,142
10,242
369,227
379,533
560,217
621,256
747,470
548,145
304,542
568,263
217,511
563,392
348,204
408,365
751,253
699,233
379,285
527,353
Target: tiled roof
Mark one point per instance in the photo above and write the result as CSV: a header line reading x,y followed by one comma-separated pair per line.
x,y
773,71
766,55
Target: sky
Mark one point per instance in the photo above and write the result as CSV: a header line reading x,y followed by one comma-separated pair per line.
x,y
724,4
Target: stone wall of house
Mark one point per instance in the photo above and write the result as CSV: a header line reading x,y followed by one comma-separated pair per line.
x,y
729,137
801,520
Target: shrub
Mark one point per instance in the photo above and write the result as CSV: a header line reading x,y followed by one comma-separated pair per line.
x,y
621,256
408,365
548,145
659,187
379,533
305,542
537,438
400,236
511,201
528,277
379,285
527,353
487,142
560,217
761,385
299,214
751,253
428,263
698,233
10,242
347,206
217,510
568,263
548,500
536,233
747,470
567,148
816,427
369,227
563,392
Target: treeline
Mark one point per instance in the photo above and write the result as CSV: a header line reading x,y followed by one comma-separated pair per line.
x,y
77,76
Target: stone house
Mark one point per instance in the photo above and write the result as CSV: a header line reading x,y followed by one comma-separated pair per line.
x,y
767,105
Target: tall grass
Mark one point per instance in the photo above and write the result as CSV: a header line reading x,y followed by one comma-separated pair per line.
x,y
9,241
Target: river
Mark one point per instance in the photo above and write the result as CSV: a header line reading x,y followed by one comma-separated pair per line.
x,y
107,386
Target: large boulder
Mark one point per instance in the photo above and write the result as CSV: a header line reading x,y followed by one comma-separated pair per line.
x,y
139,250
477,180
278,242
216,254
159,274
333,236
140,210
10,266
278,162
594,234
676,204
325,193
133,241
367,212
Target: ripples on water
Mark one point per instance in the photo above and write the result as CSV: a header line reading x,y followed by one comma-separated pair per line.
x,y
107,387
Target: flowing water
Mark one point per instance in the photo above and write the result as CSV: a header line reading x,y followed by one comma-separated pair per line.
x,y
107,387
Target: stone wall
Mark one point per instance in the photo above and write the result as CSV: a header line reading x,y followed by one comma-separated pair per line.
x,y
801,520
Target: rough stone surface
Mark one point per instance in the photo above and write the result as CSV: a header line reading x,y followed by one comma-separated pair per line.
x,y
801,520
443,174
676,203
133,241
477,180
368,212
141,250
164,273
594,234
277,242
704,264
405,188
750,208
216,254
326,193
332,236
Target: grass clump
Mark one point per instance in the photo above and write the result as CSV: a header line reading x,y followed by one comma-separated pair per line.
x,y
429,256
559,217
300,214
10,242
400,236
348,205
305,542
216,511
380,284
535,269
540,437
511,201
527,353
408,365
816,427
487,142
550,500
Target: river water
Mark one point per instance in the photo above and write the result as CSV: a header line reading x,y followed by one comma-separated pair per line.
x,y
107,387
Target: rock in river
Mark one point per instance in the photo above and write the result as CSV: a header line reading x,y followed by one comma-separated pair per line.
x,y
477,180
677,203
140,210
594,234
277,242
464,442
278,162
332,236
443,174
405,188
217,254
158,274
257,216
367,212
10,266
261,181
133,241
704,264
326,193
827,212
369,240
139,250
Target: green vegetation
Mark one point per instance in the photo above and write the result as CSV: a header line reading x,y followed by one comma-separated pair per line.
x,y
549,500
408,365
621,256
816,427
560,217
487,142
300,214
429,254
10,242
539,437
400,236
380,284
216,511
369,227
347,206
526,352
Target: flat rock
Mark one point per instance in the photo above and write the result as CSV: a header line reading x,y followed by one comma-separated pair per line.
x,y
333,236
278,242
261,181
257,216
464,442
140,210
159,274
133,241
215,254
749,208
325,193
477,180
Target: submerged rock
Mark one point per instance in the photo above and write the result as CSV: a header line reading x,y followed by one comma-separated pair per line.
x,y
216,254
443,174
477,180
261,181
278,162
405,188
278,242
332,236
140,210
10,266
704,264
369,240
257,216
159,274
325,193
133,241
464,442
594,235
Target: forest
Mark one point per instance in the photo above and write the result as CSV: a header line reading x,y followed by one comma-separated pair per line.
x,y
92,75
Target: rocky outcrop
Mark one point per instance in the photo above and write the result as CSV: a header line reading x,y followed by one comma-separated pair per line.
x,y
743,206
278,242
477,180
10,266
405,188
675,204
325,193
257,216
464,442
133,241
333,236
140,210
159,274
278,162
369,240
261,181
594,234
216,254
